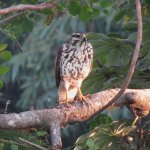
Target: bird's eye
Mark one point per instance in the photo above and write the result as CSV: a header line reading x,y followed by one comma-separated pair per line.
x,y
76,35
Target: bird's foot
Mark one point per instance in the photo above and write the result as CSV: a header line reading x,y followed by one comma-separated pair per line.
x,y
65,102
83,98
87,96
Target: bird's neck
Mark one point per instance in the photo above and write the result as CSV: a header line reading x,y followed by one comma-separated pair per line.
x,y
81,45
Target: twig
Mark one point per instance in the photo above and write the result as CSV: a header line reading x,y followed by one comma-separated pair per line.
x,y
7,141
19,47
32,144
11,18
134,58
6,107
22,7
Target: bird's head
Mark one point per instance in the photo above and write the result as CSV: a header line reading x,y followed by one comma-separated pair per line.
x,y
78,38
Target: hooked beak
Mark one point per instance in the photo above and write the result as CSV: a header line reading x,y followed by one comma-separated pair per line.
x,y
84,35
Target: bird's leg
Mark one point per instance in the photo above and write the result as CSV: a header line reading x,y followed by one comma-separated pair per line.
x,y
63,93
80,95
67,99
83,98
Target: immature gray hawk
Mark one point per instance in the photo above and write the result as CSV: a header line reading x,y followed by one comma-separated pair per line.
x,y
73,64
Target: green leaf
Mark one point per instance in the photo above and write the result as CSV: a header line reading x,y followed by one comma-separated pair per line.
x,y
95,36
94,1
95,13
14,146
29,1
74,7
89,9
105,3
3,70
3,46
46,11
90,144
145,48
101,119
41,133
1,84
6,55
114,49
131,26
18,27
84,13
132,37
120,15
106,11
148,2
27,25
1,146
115,35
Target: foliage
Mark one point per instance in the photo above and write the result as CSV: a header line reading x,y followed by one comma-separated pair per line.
x,y
12,139
35,65
112,30
110,135
26,69
5,55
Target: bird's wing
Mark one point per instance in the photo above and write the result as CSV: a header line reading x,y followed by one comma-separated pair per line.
x,y
91,49
57,66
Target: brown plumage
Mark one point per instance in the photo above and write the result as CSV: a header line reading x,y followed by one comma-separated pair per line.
x,y
73,64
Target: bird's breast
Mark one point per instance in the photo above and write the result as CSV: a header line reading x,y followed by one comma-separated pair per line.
x,y
76,64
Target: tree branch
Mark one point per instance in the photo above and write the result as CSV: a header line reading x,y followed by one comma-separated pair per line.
x,y
56,134
11,18
77,112
134,58
22,7
32,144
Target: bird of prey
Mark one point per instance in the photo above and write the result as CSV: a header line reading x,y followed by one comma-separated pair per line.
x,y
72,65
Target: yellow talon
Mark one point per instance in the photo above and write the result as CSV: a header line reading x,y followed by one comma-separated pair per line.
x,y
80,95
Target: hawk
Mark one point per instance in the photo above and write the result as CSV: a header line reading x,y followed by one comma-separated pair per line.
x,y
72,65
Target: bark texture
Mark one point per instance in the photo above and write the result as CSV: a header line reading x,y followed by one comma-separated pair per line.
x,y
60,116
77,111
22,7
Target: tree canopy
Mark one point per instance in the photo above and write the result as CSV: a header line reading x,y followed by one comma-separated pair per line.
x,y
32,30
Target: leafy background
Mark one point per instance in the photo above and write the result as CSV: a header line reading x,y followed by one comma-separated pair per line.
x,y
30,84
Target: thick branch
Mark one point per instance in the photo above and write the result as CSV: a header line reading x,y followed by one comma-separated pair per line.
x,y
56,135
22,7
77,111
134,58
